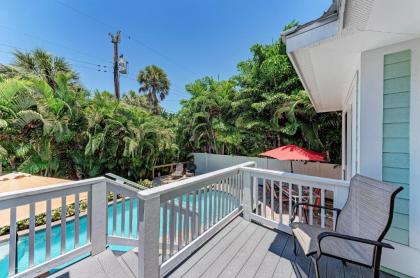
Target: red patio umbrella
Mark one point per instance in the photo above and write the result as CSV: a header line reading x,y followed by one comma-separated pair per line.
x,y
293,152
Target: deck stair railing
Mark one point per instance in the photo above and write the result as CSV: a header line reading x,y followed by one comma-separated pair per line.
x,y
166,223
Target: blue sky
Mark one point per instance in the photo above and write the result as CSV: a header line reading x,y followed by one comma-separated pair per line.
x,y
189,39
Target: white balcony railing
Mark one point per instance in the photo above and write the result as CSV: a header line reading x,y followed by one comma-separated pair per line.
x,y
170,222
269,197
208,202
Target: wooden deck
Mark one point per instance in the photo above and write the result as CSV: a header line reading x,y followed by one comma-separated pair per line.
x,y
241,249
244,249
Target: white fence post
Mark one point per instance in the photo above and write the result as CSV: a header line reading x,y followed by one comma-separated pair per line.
x,y
247,200
98,218
149,217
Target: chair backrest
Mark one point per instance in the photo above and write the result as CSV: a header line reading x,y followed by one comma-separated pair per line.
x,y
369,208
179,168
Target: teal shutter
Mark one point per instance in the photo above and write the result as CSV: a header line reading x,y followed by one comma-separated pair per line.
x,y
396,149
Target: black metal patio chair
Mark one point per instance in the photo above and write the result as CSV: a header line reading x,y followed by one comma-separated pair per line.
x,y
360,226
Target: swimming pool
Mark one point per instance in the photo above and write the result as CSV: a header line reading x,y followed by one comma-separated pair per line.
x,y
40,252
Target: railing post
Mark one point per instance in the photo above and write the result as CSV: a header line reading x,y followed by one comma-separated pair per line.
x,y
148,255
247,200
98,217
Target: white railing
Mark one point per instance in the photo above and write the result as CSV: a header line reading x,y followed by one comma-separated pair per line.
x,y
102,199
205,204
55,199
270,196
123,206
166,223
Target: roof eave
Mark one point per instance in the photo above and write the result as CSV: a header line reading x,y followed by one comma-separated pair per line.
x,y
308,35
312,33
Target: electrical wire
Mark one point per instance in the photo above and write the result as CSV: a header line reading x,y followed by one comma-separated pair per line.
x,y
52,42
129,36
97,67
65,57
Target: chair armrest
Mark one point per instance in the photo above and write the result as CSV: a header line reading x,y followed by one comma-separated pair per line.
x,y
323,235
296,206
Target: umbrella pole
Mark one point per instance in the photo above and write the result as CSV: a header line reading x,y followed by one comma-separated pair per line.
x,y
291,166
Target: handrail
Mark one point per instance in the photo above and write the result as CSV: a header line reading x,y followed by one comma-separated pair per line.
x,y
289,188
48,188
239,185
217,198
160,190
291,177
124,181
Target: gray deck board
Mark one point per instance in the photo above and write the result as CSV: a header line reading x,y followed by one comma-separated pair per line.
x,y
86,268
284,267
252,264
272,257
236,264
302,264
196,257
104,265
131,260
125,266
251,250
241,249
229,253
111,265
210,257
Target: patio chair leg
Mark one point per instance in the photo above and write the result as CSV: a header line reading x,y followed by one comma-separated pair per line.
x,y
377,262
316,266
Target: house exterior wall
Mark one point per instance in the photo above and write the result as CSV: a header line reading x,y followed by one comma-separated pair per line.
x,y
396,132
389,136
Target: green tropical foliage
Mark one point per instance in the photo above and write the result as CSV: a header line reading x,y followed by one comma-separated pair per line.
x,y
50,125
58,129
262,107
38,63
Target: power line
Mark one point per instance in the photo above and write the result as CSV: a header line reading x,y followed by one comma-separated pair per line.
x,y
52,42
88,65
99,68
129,37
65,57
170,60
85,14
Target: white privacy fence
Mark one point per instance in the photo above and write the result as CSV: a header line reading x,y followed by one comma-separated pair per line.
x,y
167,223
211,162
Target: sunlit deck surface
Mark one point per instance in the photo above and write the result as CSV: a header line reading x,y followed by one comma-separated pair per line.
x,y
241,249
246,249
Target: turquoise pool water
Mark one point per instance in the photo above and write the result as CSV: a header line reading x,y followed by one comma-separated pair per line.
x,y
23,242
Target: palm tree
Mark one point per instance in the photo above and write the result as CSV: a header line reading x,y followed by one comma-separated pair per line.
x,y
153,81
37,63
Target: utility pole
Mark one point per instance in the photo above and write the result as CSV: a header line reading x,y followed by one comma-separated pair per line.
x,y
116,40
